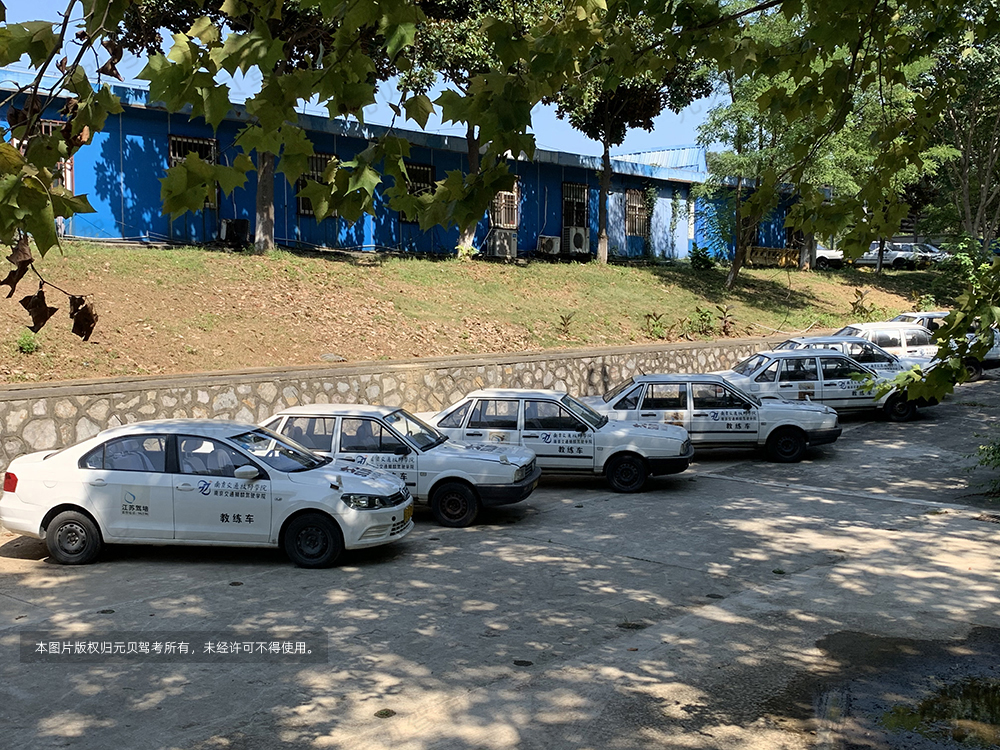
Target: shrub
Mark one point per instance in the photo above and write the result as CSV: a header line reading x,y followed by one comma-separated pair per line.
x,y
27,343
700,258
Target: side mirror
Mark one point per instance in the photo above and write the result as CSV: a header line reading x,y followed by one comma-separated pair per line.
x,y
401,450
247,472
581,428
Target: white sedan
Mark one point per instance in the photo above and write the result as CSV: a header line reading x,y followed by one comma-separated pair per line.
x,y
200,482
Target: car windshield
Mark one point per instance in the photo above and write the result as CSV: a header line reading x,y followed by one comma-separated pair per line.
x,y
848,331
790,344
584,412
617,390
279,452
422,435
751,364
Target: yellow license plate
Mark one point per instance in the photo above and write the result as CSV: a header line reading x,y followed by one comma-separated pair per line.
x,y
408,513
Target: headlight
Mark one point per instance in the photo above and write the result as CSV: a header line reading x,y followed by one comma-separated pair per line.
x,y
365,502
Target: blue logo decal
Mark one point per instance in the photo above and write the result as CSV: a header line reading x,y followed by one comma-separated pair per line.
x,y
129,498
714,415
546,437
204,487
360,459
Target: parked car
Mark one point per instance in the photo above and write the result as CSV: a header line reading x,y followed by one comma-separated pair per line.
x,y
821,375
717,414
860,350
828,258
929,320
901,339
893,256
926,254
202,482
455,477
934,320
569,437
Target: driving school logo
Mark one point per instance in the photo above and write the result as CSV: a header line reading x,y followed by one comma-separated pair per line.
x,y
204,487
714,415
546,437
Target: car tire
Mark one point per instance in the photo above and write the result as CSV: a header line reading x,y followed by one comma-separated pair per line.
x,y
973,370
822,264
313,540
626,473
454,505
73,538
786,445
899,409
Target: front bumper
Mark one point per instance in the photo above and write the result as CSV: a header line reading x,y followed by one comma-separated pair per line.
x,y
823,437
673,465
493,495
370,528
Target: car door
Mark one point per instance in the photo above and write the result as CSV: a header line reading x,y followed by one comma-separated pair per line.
x,y
875,359
720,417
210,503
667,403
798,379
626,405
314,433
493,420
129,486
368,442
919,343
764,381
841,389
559,439
890,339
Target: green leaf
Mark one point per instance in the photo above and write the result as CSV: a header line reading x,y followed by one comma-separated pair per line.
x,y
419,108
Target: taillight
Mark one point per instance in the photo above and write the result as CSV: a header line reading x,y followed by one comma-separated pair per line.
x,y
9,482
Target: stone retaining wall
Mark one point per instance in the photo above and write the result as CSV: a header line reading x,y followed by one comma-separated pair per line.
x,y
35,417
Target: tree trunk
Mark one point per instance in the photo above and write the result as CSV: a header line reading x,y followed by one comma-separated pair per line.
x,y
602,207
807,253
263,236
881,252
741,247
467,235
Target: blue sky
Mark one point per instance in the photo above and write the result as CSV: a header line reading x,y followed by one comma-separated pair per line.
x,y
550,132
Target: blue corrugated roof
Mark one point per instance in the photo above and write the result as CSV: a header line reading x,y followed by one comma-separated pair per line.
x,y
675,164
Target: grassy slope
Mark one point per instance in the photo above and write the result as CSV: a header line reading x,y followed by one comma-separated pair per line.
x,y
189,309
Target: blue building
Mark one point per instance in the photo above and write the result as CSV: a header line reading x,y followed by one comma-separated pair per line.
x,y
553,209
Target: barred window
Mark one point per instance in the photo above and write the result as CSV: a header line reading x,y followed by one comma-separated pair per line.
x,y
62,173
420,178
206,149
505,209
636,214
317,165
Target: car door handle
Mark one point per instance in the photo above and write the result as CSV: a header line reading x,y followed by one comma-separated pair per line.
x,y
700,414
529,436
184,487
647,414
347,458
786,385
98,483
473,434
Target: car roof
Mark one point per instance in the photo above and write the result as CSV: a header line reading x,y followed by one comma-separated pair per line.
x,y
915,315
515,393
216,428
359,410
886,324
680,377
802,353
831,340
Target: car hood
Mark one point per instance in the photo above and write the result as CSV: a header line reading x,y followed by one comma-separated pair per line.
x,y
350,478
645,430
783,405
496,453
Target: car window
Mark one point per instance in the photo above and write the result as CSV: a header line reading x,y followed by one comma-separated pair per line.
x,y
548,415
865,352
750,364
494,414
714,396
798,370
769,374
204,456
666,396
315,433
455,418
277,451
137,453
618,390
367,436
887,339
838,368
918,338
630,400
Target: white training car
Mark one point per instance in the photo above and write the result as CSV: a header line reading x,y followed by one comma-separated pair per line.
x,y
821,375
457,478
569,437
716,414
901,339
974,366
203,482
860,350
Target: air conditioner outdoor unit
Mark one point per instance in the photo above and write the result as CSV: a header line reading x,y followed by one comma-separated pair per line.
x,y
548,245
579,240
501,243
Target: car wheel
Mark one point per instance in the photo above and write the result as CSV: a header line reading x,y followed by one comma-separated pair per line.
x,y
822,264
313,540
899,264
899,409
786,445
454,505
626,473
73,538
973,370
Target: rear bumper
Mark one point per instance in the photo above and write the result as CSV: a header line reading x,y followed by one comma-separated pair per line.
x,y
822,437
493,495
673,465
